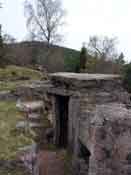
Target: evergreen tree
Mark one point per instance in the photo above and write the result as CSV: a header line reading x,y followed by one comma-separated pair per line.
x,y
120,60
83,58
2,61
127,76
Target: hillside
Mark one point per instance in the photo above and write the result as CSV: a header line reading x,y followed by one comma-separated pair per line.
x,y
11,139
13,76
54,59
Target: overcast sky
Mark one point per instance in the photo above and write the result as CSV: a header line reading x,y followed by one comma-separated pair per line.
x,y
84,18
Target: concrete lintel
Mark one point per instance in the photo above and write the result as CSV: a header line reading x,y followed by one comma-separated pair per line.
x,y
80,80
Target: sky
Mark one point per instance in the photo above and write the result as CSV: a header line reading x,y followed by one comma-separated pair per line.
x,y
84,18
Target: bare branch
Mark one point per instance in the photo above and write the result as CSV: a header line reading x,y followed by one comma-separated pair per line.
x,y
45,19
103,47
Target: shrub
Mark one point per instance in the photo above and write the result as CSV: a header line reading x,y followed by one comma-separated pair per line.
x,y
127,77
71,61
83,58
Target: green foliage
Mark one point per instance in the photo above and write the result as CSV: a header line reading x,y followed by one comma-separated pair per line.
x,y
127,76
120,60
71,60
83,58
2,59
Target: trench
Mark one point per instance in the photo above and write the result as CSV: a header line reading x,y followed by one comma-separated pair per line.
x,y
62,121
84,158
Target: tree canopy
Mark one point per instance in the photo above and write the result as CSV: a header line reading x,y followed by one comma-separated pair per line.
x,y
44,19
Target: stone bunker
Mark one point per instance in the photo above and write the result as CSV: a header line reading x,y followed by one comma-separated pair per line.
x,y
92,119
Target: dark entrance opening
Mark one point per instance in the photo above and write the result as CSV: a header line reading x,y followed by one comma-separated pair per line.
x,y
84,154
128,158
62,103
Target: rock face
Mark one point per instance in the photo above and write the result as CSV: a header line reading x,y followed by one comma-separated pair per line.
x,y
106,134
91,117
96,118
7,96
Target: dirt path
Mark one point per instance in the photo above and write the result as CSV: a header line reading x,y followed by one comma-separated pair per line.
x,y
50,163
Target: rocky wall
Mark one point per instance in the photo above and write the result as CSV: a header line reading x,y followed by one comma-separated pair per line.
x,y
105,130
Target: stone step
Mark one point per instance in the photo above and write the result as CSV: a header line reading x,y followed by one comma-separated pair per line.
x,y
31,148
30,106
37,121
25,124
34,117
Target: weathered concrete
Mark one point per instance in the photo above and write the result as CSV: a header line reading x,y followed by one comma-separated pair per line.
x,y
75,80
91,117
30,106
99,122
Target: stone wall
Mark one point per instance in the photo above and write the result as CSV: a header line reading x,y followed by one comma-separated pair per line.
x,y
107,135
99,120
104,128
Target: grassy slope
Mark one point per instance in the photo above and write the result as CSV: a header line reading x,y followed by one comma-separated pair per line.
x,y
10,73
65,58
10,140
13,172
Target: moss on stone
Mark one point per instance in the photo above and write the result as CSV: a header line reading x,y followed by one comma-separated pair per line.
x,y
10,140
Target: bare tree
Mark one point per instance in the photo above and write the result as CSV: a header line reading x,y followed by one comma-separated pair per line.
x,y
103,47
8,39
44,19
103,56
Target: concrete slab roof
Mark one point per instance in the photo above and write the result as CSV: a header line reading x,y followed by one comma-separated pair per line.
x,y
83,80
83,76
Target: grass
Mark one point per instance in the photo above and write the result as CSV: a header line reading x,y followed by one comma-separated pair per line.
x,y
10,77
66,157
11,85
13,172
15,72
10,140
